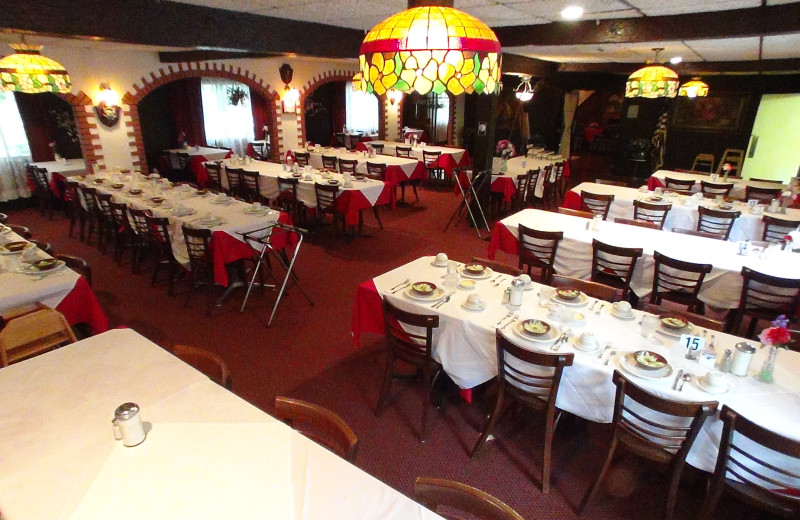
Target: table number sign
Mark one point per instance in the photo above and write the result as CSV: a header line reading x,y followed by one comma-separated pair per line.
x,y
693,345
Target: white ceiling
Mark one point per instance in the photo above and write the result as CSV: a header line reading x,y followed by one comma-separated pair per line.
x,y
360,14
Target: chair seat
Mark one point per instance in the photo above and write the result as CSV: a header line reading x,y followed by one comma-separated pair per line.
x,y
644,448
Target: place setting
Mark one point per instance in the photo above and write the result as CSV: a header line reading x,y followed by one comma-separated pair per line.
x,y
424,291
42,267
257,209
209,220
475,270
569,296
537,330
646,364
673,326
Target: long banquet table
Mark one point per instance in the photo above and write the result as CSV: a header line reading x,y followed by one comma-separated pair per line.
x,y
363,194
464,343
197,156
506,182
450,157
721,287
208,453
398,169
657,180
58,171
683,214
64,289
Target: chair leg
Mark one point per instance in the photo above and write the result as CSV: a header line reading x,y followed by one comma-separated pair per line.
x,y
547,455
672,495
377,217
498,407
387,384
429,376
592,491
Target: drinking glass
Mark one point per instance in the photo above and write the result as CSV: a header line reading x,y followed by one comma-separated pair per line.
x,y
649,324
544,295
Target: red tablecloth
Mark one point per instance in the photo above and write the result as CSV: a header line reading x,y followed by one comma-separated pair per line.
x,y
572,201
591,132
81,306
653,183
395,174
199,169
351,202
503,240
226,248
57,184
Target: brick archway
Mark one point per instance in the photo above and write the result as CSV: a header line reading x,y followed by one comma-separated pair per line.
x,y
82,111
194,70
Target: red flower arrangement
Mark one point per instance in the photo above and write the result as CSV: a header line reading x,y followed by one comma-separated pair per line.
x,y
778,335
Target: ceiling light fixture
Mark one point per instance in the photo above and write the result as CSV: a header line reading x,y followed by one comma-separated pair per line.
x,y
675,60
430,48
652,81
26,70
524,91
694,88
572,12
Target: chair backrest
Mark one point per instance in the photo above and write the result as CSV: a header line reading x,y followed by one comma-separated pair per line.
x,y
249,182
768,294
654,213
103,203
614,265
637,223
119,213
376,171
138,218
302,158
214,171
347,166
197,246
431,159
30,174
329,162
378,147
339,139
22,231
71,191
409,335
33,333
159,229
532,181
733,156
78,265
610,182
326,196
597,290
499,267
677,276
42,183
318,424
402,151
775,229
88,201
43,246
678,184
694,232
287,188
206,362
538,249
667,433
434,493
703,162
717,222
774,181
576,213
741,468
695,319
760,194
715,188
596,203
558,170
3,218
183,160
234,176
523,184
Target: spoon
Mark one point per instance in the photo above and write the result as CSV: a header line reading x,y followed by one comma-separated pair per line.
x,y
401,283
510,313
513,319
684,379
610,355
441,302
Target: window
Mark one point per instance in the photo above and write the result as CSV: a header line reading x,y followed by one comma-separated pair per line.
x,y
361,109
227,124
14,150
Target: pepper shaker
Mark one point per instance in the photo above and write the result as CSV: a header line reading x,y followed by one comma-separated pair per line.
x,y
727,361
127,425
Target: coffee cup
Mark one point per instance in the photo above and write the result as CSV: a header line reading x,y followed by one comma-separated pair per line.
x,y
525,278
475,301
643,189
758,210
587,340
441,258
256,206
622,308
714,380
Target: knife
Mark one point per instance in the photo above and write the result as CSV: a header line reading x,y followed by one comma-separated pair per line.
x,y
677,378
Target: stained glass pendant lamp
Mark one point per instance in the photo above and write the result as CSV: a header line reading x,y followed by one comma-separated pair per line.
x,y
693,88
430,48
26,70
653,81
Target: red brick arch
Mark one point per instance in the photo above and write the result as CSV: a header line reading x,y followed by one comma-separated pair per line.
x,y
82,110
194,70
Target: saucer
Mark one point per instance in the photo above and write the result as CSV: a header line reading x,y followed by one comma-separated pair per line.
x,y
580,301
473,309
435,295
627,361
627,317
575,344
727,387
436,264
674,333
487,273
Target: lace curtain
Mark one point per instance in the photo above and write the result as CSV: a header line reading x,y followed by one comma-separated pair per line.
x,y
361,109
226,125
14,150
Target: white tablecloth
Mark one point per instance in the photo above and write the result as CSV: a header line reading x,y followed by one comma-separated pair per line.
x,y
465,345
208,453
211,154
68,168
315,159
722,286
389,148
520,165
683,215
737,191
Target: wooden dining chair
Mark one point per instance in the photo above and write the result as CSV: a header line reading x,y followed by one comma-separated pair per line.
x,y
141,237
655,428
318,424
533,180
409,339
72,205
714,189
650,212
438,493
287,198
376,171
734,157
4,218
537,249
776,229
326,204
609,182
89,212
329,162
520,197
347,166
248,187
529,378
206,362
637,223
576,213
77,264
214,172
431,162
234,176
678,282
105,220
302,158
402,151
496,266
122,232
378,147
43,246
716,222
550,197
162,251
201,263
742,470
762,195
695,319
44,193
22,231
597,290
680,185
696,233
764,297
184,173
596,203
33,333
703,162
774,181
614,265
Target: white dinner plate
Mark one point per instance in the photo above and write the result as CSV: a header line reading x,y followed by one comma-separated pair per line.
x,y
629,317
185,212
674,333
580,301
250,210
702,386
225,202
435,295
436,264
551,335
210,222
30,269
4,251
487,273
626,362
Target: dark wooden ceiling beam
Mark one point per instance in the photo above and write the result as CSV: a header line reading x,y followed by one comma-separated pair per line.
x,y
692,68
189,56
170,24
756,21
516,64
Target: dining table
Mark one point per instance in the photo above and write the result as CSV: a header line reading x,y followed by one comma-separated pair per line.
x,y
658,180
197,156
721,287
398,169
226,217
464,344
207,454
58,171
350,200
59,287
449,159
684,211
505,181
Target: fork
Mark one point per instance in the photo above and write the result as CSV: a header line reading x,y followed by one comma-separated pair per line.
x,y
402,286
441,302
603,353
401,283
594,304
610,355
599,309
560,340
501,320
499,281
513,319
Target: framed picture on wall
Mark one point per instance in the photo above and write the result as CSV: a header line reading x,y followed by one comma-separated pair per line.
x,y
722,112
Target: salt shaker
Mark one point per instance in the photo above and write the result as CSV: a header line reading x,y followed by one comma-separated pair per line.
x,y
727,361
741,358
127,424
515,296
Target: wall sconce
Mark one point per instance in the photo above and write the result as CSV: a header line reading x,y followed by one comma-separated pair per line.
x,y
108,109
395,96
524,91
290,95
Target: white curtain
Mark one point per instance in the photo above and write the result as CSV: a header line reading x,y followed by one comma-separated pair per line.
x,y
361,110
227,125
14,150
